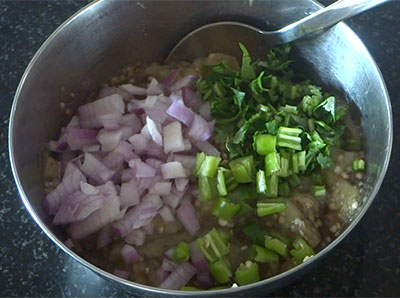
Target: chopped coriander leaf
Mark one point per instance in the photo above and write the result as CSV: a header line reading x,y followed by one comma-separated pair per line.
x,y
327,107
283,189
247,70
254,232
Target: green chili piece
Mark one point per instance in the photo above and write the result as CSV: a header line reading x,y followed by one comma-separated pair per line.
x,y
207,187
247,273
264,209
243,169
265,144
209,166
358,165
221,270
225,210
189,288
301,251
276,245
319,190
221,185
271,163
261,182
272,186
200,157
263,255
181,252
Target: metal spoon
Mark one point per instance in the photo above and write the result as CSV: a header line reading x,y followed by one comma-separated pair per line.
x,y
222,36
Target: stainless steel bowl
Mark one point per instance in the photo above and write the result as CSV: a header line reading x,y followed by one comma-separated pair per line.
x,y
107,35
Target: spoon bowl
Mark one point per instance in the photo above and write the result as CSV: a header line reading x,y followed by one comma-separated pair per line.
x,y
220,36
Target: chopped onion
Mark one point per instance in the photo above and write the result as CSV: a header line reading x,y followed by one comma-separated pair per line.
x,y
90,112
141,169
172,170
110,121
91,148
204,277
95,169
108,91
109,139
181,184
129,254
179,277
79,137
97,220
139,143
199,130
70,183
105,237
187,161
161,188
132,121
135,90
179,111
129,194
174,198
161,275
171,78
149,228
192,99
207,148
154,130
136,237
154,88
187,81
88,189
122,273
187,216
173,140
166,214
168,265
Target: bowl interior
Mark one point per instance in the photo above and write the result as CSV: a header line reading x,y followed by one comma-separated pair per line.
x,y
108,35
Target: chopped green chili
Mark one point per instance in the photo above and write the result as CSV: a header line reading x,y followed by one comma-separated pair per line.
x,y
225,210
181,252
263,255
243,169
264,209
247,273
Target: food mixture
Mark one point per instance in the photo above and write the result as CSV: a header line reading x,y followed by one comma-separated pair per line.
x,y
205,175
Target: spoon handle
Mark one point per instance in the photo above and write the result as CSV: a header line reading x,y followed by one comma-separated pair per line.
x,y
326,17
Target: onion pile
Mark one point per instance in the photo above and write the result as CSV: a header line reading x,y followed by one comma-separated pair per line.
x,y
128,156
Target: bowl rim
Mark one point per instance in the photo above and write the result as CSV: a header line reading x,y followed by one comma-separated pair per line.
x,y
156,290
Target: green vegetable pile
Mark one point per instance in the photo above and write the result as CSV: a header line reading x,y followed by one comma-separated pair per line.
x,y
273,126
